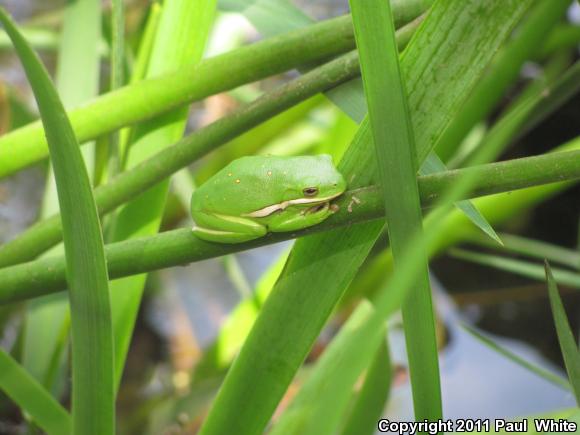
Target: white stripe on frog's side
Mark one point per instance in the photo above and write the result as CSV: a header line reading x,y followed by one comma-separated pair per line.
x,y
267,211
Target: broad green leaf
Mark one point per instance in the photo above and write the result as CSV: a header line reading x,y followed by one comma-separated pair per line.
x,y
321,266
93,398
32,398
505,68
568,344
539,371
322,400
394,141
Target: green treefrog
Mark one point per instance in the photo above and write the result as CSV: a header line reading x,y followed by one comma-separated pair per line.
x,y
255,195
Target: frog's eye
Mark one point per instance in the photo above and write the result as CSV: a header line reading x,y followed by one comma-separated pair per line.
x,y
310,191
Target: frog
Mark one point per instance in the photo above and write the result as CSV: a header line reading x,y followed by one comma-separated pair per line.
x,y
256,195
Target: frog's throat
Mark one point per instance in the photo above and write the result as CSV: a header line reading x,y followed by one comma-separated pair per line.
x,y
267,211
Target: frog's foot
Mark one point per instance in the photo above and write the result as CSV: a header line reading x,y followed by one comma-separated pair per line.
x,y
226,229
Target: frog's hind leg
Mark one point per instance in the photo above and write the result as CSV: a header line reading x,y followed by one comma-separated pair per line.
x,y
226,229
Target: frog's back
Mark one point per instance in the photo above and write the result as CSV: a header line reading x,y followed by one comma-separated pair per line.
x,y
250,183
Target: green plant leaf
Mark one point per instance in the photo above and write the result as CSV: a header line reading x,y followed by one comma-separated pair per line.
x,y
539,371
32,398
394,142
536,249
93,398
568,344
519,267
432,165
369,404
505,69
77,81
322,400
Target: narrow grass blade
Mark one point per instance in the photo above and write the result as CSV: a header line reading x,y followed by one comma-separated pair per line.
x,y
183,30
433,165
140,71
397,165
32,398
568,344
539,371
329,262
117,79
319,406
77,81
370,402
93,398
117,45
536,249
519,267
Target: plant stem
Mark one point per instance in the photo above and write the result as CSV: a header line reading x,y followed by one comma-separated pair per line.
x,y
179,247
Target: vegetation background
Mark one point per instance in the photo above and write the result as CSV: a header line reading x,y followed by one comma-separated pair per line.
x,y
328,333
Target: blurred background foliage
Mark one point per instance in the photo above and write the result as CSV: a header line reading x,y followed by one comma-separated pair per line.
x,y
193,319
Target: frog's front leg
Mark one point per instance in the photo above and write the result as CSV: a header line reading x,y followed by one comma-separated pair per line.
x,y
298,218
226,229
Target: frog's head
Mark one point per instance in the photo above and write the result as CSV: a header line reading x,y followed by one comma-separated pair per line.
x,y
319,180
309,183
317,183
